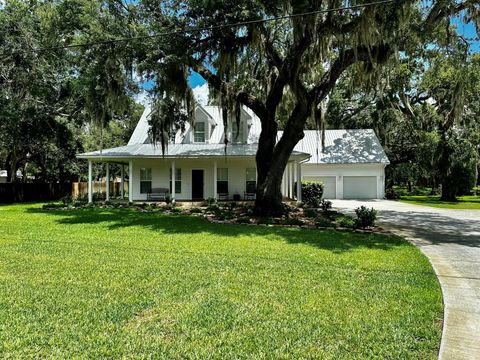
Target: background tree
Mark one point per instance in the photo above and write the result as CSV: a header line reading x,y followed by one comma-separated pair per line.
x,y
52,92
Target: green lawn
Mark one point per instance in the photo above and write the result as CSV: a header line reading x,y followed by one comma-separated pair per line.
x,y
118,283
464,202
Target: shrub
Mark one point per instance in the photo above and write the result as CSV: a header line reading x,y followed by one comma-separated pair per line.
x,y
213,209
310,213
243,220
294,222
365,217
326,205
210,201
312,192
346,221
168,199
66,199
324,223
98,196
266,221
391,194
176,210
196,211
224,215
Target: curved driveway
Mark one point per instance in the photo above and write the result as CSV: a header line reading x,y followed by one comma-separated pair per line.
x,y
451,240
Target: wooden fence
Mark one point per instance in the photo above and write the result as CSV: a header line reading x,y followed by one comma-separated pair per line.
x,y
25,192
80,189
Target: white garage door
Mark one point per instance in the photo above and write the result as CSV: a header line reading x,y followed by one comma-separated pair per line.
x,y
329,185
359,187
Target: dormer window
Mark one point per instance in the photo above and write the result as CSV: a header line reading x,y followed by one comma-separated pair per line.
x,y
237,132
199,132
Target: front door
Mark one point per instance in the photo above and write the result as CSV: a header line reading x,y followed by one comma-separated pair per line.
x,y
197,184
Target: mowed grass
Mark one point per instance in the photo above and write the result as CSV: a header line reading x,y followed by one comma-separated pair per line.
x,y
96,283
464,202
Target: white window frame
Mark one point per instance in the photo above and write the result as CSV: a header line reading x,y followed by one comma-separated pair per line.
x,y
178,180
200,133
222,178
145,177
250,179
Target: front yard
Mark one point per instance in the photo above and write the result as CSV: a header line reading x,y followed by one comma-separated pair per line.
x,y
93,283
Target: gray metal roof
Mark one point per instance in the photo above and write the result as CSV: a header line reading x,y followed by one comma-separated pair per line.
x,y
354,146
179,151
140,134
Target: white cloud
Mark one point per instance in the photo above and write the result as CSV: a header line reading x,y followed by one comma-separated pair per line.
x,y
201,94
142,98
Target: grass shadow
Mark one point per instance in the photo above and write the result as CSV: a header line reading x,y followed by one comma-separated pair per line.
x,y
113,219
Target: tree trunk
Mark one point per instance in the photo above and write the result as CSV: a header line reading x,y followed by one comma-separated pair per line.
x,y
272,160
11,165
449,187
448,193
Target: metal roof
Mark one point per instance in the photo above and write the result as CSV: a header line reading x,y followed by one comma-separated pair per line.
x,y
355,146
179,151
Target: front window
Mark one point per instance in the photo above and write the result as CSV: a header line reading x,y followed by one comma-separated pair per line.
x,y
145,180
199,132
251,180
222,180
178,181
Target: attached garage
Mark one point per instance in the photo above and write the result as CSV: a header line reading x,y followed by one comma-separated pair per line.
x,y
329,185
360,187
351,164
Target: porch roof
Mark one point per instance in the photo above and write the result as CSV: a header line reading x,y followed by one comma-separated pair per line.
x,y
180,151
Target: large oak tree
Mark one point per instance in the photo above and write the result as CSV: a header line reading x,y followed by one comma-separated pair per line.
x,y
287,66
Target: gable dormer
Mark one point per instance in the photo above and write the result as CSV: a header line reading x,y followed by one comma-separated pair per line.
x,y
238,133
201,131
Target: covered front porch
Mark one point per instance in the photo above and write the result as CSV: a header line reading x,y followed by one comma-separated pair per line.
x,y
193,179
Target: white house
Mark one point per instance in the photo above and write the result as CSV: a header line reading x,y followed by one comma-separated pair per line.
x,y
197,165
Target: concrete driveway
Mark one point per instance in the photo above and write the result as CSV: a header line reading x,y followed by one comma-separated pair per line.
x,y
451,240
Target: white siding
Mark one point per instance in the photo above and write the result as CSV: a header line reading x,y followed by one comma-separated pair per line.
x,y
161,173
342,170
329,185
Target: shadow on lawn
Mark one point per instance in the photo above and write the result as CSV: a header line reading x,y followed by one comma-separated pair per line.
x,y
335,241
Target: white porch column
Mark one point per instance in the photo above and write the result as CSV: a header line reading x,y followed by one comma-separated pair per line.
x,y
290,181
107,183
130,181
299,182
286,180
173,181
122,181
215,194
294,178
282,187
90,194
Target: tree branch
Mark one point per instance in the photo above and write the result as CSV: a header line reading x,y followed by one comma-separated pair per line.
x,y
226,88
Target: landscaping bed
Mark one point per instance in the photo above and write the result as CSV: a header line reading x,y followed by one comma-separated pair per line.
x,y
304,216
